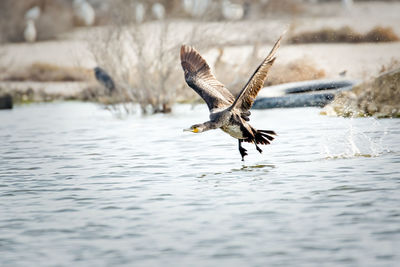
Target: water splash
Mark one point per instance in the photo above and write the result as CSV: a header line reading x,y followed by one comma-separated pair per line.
x,y
354,142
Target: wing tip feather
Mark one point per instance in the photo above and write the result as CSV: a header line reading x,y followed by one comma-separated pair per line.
x,y
257,80
191,57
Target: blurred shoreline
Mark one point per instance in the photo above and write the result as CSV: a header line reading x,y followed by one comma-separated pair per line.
x,y
233,54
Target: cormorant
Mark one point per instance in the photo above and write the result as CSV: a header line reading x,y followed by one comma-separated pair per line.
x,y
227,113
105,79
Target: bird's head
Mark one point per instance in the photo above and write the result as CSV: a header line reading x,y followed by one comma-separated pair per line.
x,y
97,70
197,128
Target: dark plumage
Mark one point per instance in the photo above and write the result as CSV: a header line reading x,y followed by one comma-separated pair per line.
x,y
104,79
226,112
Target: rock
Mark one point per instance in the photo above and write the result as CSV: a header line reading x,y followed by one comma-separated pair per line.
x,y
295,100
379,97
314,93
6,101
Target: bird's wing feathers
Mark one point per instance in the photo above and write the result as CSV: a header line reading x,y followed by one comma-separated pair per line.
x,y
246,97
199,77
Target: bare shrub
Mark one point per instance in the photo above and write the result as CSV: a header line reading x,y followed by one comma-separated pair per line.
x,y
143,58
140,69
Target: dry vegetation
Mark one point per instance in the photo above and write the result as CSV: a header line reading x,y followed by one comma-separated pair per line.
x,y
141,71
44,72
144,66
345,35
295,71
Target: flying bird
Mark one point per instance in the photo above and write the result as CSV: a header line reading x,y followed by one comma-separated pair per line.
x,y
229,114
105,79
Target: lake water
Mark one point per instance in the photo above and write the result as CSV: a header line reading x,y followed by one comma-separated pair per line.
x,y
81,187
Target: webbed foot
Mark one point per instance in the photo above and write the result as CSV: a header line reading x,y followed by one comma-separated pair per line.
x,y
242,150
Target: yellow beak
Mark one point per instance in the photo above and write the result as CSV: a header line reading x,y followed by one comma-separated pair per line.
x,y
195,130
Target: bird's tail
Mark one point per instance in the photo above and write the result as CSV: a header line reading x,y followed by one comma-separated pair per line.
x,y
264,137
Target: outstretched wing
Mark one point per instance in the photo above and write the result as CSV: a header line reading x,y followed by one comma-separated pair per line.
x,y
246,97
198,76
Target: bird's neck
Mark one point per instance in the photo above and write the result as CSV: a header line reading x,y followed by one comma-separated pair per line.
x,y
209,125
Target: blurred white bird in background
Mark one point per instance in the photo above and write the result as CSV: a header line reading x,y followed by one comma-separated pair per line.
x,y
158,11
140,12
232,11
30,31
195,8
33,13
84,12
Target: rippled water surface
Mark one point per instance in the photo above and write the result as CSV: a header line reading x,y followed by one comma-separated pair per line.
x,y
81,187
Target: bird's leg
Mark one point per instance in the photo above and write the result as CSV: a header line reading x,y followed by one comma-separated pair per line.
x,y
258,148
242,150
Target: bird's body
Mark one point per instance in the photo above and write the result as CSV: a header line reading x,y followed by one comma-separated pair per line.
x,y
30,31
84,12
229,114
232,11
158,11
140,12
105,79
233,130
